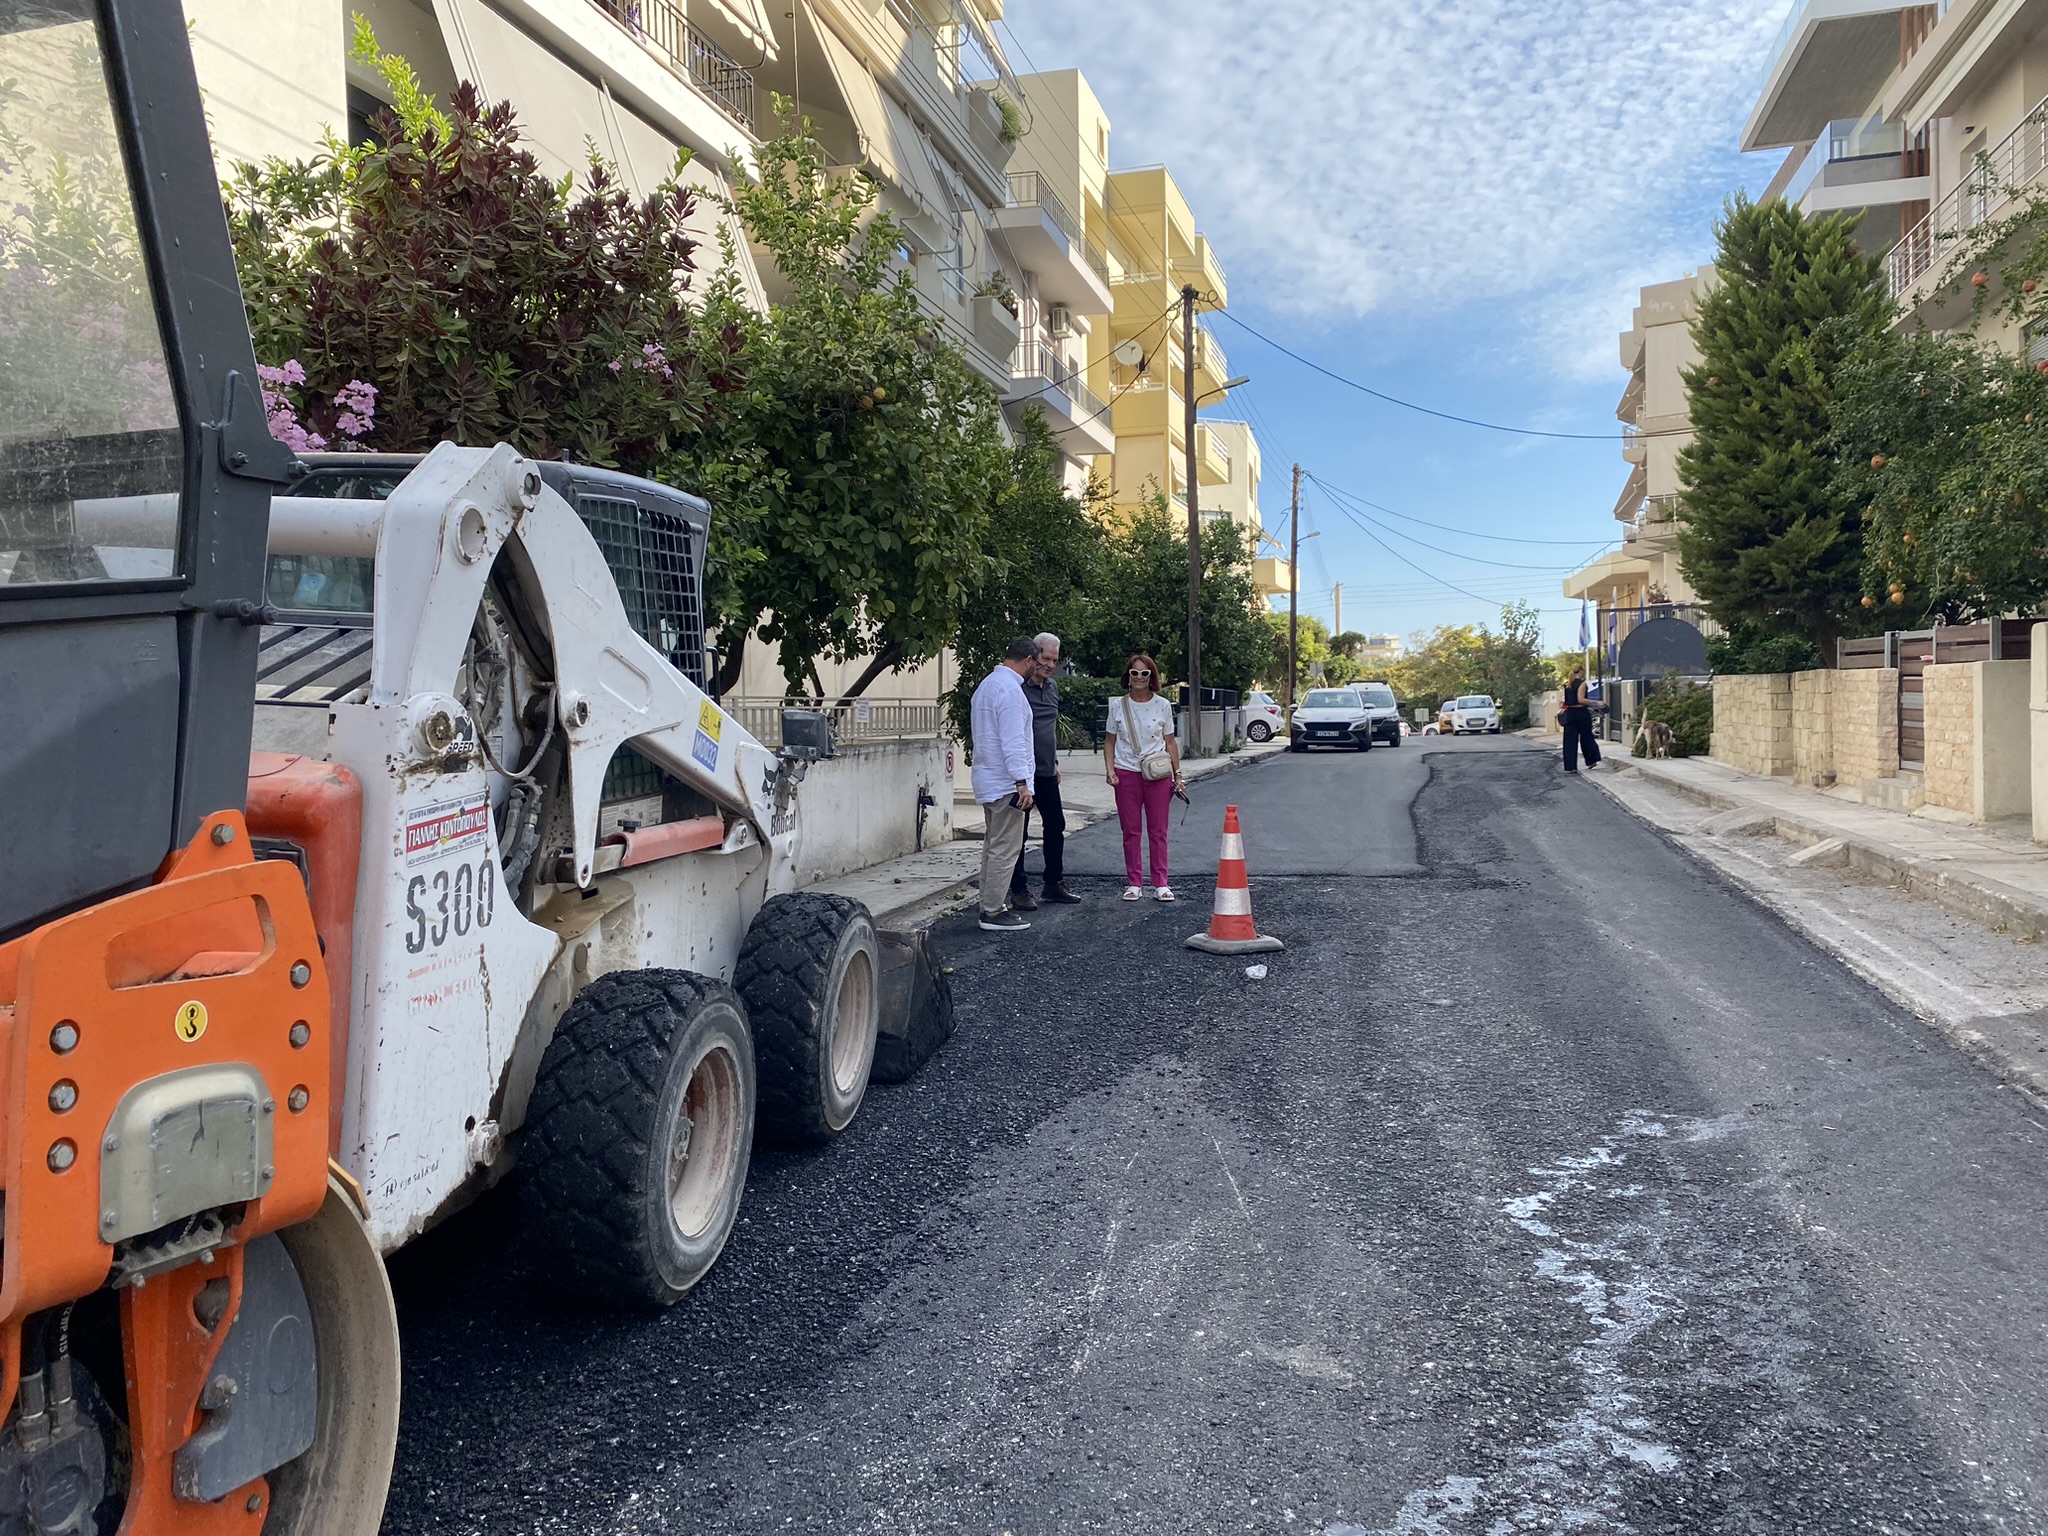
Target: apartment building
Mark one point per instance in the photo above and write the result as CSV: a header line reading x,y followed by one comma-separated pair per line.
x,y
1642,577
1236,499
1057,229
1820,100
1155,251
635,79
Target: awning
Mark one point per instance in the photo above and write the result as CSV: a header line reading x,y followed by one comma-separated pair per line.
x,y
890,147
561,113
1632,494
750,16
645,158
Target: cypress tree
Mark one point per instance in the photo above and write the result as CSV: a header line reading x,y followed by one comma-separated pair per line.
x,y
1769,533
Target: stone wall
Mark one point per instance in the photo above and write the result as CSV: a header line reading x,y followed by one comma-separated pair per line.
x,y
1979,754
1813,728
1866,724
1753,722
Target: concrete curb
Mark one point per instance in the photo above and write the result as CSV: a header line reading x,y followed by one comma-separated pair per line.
x,y
1977,897
933,906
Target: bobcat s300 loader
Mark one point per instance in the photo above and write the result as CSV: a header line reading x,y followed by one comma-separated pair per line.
x,y
503,879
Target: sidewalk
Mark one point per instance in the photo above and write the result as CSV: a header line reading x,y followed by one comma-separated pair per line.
x,y
920,887
1994,874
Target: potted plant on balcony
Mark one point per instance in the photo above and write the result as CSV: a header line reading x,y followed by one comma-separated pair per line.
x,y
995,312
995,123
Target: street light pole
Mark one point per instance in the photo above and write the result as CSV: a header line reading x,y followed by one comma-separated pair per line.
x,y
1193,746
1293,589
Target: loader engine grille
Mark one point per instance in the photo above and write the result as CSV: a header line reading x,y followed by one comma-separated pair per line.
x,y
653,559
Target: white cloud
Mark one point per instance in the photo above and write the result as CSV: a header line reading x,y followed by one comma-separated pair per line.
x,y
1363,156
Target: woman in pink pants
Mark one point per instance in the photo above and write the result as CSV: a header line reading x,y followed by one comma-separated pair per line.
x,y
1141,726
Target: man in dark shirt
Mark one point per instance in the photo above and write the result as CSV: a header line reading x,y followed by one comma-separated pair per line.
x,y
1042,692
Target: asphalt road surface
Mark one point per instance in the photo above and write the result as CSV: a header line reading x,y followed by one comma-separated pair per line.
x,y
1545,1183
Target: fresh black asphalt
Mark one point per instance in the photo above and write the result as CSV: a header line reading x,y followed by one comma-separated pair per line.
x,y
1545,1183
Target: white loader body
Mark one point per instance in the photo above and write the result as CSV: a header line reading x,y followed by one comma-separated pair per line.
x,y
456,989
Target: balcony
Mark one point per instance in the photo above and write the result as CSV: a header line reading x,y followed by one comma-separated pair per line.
x,y
1212,367
1048,241
1212,457
2000,175
1203,270
1830,59
660,27
1042,377
1272,576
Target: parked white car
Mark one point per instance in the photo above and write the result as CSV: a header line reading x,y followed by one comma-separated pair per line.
x,y
1263,719
1330,717
1474,714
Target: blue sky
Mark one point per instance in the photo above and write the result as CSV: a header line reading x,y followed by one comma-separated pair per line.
x,y
1454,203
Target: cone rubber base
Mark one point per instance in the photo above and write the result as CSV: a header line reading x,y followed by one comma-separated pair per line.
x,y
1265,943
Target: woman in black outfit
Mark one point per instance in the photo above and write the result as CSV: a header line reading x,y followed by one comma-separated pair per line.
x,y
1578,724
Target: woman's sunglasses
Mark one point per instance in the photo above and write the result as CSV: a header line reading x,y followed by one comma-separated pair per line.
x,y
1137,672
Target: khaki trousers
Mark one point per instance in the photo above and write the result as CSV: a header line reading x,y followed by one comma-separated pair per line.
x,y
1001,843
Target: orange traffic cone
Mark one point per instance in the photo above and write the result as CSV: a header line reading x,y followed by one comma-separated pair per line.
x,y
1230,923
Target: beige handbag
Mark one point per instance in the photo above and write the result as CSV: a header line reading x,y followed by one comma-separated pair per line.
x,y
1153,765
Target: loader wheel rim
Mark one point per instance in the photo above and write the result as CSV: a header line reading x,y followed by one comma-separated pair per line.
x,y
706,1147
852,1012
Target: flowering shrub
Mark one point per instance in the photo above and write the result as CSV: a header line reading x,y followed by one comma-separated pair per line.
x,y
355,410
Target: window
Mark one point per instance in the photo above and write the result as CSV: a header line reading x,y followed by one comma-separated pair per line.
x,y
362,111
88,420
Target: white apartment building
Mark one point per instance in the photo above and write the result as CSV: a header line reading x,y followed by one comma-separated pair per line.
x,y
636,79
1820,100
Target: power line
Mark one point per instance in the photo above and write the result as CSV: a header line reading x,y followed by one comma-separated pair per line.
x,y
1429,575
1464,533
1507,565
1410,405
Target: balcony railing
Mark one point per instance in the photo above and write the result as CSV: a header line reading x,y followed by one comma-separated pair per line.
x,y
1040,360
1028,190
661,28
1209,354
1999,175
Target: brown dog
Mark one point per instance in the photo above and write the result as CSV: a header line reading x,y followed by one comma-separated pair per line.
x,y
1655,738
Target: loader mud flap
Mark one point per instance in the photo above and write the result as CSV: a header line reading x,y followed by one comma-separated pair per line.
x,y
917,1005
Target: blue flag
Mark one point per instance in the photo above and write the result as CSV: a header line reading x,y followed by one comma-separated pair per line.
x,y
1585,627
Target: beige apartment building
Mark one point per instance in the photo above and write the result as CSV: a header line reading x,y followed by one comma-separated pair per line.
x,y
1641,577
1236,500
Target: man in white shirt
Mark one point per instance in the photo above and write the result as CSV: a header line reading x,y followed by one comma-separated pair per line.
x,y
1004,762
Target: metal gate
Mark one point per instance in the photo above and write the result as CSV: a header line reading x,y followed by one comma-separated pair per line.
x,y
1912,654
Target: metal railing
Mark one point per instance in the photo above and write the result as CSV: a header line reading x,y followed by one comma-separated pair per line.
x,y
1041,360
859,721
661,27
1209,354
1028,190
1999,175
1215,446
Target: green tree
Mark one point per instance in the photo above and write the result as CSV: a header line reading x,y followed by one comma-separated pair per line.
x,y
1141,602
1318,661
1045,553
1442,664
1511,665
1938,440
1769,532
859,461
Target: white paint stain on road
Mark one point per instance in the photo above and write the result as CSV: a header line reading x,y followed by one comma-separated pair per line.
x,y
1620,1278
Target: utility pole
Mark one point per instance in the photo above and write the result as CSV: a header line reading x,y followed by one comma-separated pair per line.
x,y
1193,746
1337,624
1293,588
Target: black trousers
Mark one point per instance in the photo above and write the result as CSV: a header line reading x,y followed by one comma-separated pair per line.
x,y
1578,737
1052,828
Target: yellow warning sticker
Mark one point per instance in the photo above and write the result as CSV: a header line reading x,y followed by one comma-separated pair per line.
x,y
709,719
191,1021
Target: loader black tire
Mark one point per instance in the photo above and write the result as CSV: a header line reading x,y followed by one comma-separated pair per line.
x,y
638,1137
809,972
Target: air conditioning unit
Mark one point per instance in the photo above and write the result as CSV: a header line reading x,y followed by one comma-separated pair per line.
x,y
1059,320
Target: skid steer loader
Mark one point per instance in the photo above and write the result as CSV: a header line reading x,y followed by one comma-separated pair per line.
x,y
356,842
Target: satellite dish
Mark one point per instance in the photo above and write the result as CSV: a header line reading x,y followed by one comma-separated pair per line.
x,y
1131,354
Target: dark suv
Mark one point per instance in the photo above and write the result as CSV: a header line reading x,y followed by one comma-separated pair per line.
x,y
1385,711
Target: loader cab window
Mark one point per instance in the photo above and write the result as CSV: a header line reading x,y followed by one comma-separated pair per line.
x,y
90,448
332,583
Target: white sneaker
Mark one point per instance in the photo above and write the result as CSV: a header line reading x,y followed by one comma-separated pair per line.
x,y
1132,893
1164,893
